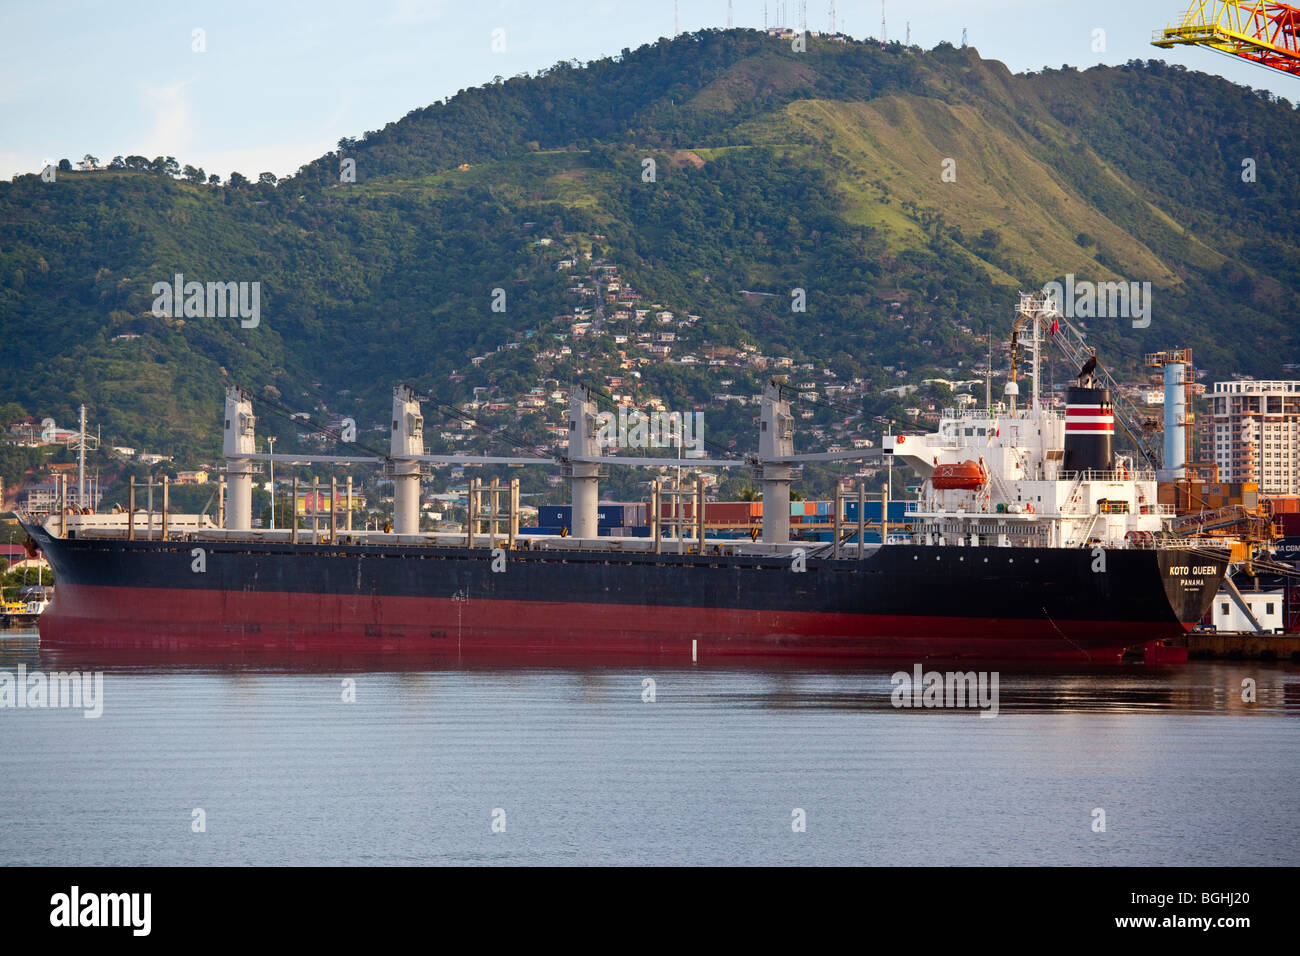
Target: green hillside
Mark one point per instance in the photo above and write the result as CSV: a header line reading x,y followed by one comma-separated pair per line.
x,y
774,171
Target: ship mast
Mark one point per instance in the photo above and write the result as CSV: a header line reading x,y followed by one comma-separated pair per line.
x,y
1037,358
1031,310
81,461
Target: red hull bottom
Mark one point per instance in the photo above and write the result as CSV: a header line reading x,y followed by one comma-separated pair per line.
x,y
331,624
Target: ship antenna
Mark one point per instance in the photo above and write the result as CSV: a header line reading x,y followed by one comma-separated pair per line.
x,y
988,379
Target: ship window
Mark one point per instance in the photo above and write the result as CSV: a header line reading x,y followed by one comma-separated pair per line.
x,y
1268,608
1223,609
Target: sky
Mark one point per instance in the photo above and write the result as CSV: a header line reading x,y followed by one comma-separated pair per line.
x,y
268,86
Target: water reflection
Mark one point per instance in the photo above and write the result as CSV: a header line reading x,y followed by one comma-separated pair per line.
x,y
1196,687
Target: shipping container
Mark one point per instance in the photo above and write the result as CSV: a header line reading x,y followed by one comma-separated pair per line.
x,y
609,514
555,516
684,510
897,511
1288,549
728,512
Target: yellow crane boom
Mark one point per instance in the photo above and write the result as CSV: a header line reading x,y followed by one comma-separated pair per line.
x,y
1264,32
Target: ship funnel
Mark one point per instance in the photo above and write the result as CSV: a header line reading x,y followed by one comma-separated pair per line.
x,y
1089,430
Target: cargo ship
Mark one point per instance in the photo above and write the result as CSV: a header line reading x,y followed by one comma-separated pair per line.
x,y
1029,539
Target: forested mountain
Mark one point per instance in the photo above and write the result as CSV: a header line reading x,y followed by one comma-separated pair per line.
x,y
909,194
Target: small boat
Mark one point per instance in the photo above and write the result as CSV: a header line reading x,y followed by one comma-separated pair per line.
x,y
963,476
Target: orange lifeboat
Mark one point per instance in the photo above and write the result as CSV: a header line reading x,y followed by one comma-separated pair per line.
x,y
963,476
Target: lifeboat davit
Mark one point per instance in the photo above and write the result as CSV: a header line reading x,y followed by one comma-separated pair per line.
x,y
963,476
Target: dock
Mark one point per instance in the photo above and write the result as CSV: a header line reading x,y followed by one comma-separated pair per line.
x,y
1244,646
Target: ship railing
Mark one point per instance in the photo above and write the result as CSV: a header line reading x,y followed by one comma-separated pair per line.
x,y
973,412
1160,540
998,411
1117,474
1152,541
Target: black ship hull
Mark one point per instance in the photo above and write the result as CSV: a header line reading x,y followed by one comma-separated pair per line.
x,y
897,602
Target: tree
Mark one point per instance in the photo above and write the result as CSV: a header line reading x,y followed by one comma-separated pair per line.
x,y
194,175
237,181
266,179
214,180
65,166
90,160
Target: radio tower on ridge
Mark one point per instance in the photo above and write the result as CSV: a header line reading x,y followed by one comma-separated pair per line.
x,y
884,33
729,23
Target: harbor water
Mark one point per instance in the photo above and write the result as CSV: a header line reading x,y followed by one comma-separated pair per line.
x,y
195,763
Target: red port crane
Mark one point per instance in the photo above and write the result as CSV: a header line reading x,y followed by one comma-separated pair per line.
x,y
1263,32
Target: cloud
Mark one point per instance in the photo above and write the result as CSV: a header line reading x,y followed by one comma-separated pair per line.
x,y
173,121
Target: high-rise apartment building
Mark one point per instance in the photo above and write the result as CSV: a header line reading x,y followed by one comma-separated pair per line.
x,y
1257,433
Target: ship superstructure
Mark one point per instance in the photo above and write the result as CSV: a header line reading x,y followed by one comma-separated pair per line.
x,y
1027,474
